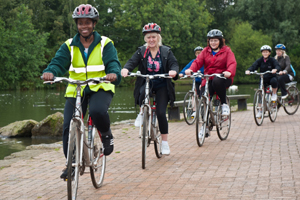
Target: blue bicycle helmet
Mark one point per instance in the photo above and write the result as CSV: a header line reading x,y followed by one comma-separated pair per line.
x,y
198,48
280,46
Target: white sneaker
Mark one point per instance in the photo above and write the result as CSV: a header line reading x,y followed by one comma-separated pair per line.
x,y
285,96
259,114
193,115
165,149
225,109
138,121
274,97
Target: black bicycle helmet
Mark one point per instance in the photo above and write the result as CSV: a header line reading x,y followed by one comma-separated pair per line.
x,y
266,47
151,27
85,11
215,33
280,46
198,48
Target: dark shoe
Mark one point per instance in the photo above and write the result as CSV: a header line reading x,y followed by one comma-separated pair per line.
x,y
64,175
108,143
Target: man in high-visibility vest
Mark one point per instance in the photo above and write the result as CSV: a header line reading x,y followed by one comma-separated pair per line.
x,y
87,55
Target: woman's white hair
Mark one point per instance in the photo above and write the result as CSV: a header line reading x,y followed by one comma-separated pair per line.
x,y
283,54
159,43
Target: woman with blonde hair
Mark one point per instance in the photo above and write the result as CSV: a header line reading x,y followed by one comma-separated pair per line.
x,y
154,58
287,74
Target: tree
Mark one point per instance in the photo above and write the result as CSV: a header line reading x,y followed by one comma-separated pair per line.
x,y
24,50
245,44
184,26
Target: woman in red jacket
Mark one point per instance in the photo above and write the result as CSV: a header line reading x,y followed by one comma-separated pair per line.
x,y
216,58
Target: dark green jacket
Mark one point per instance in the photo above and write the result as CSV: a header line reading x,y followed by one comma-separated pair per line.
x,y
60,64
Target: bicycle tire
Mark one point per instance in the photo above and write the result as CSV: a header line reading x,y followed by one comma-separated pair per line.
x,y
188,107
157,140
258,104
201,118
145,135
223,122
97,170
73,157
292,101
272,108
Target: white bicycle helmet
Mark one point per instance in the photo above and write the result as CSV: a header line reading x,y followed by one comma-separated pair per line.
x,y
266,47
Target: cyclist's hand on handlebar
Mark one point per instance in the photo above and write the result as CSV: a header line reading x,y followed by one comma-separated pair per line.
x,y
227,74
180,75
172,73
48,76
247,72
111,77
274,71
282,72
124,72
188,72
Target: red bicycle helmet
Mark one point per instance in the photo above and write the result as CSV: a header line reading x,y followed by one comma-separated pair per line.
x,y
151,27
85,11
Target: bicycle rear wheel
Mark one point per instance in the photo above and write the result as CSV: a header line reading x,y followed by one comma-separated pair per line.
x,y
189,105
97,170
272,108
258,107
145,135
292,101
73,161
223,122
201,118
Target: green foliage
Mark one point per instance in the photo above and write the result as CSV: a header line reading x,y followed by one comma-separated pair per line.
x,y
22,50
184,25
246,43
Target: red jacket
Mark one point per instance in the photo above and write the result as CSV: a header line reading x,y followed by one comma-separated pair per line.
x,y
224,60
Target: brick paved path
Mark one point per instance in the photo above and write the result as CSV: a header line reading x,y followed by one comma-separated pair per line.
x,y
253,163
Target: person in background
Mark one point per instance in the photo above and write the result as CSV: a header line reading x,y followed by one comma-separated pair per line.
x,y
154,58
198,80
87,55
266,63
287,74
216,58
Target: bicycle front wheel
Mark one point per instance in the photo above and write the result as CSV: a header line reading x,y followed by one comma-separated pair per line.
x,y
272,108
189,107
145,135
258,108
223,122
201,118
73,161
98,159
292,101
157,138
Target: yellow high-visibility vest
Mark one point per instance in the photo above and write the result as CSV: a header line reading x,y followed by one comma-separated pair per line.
x,y
94,68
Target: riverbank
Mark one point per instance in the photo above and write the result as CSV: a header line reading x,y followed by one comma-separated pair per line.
x,y
35,150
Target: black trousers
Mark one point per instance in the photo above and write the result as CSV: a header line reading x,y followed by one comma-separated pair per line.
x,y
282,80
98,106
218,86
162,100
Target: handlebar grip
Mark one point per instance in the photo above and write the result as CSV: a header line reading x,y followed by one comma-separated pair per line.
x,y
166,74
41,77
129,73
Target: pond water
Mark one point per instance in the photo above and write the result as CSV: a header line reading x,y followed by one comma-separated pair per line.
x,y
38,104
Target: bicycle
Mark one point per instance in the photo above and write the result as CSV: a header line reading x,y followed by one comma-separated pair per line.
x,y
149,130
262,101
291,103
190,102
209,115
83,151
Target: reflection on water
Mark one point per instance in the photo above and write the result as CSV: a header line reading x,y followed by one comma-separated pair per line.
x,y
11,145
37,105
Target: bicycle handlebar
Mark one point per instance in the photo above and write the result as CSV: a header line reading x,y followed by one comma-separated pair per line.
x,y
261,73
77,82
199,74
138,74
